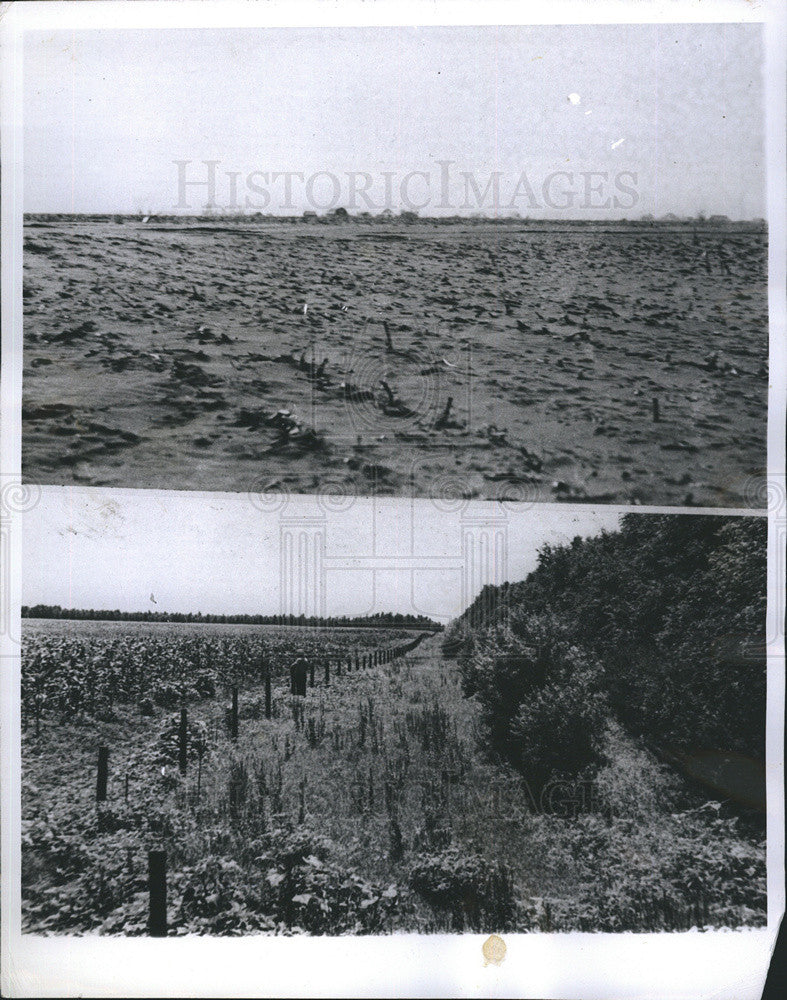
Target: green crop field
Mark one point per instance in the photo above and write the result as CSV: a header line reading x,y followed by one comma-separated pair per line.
x,y
368,806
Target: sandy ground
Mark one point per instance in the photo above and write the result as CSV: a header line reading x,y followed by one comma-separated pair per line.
x,y
160,356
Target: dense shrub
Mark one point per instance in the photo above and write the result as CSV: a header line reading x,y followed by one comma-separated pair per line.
x,y
475,893
540,696
556,731
693,870
674,608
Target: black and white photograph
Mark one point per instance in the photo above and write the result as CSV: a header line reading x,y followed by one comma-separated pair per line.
x,y
393,518
491,261
544,721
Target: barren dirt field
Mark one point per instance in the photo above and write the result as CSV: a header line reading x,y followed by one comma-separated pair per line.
x,y
626,365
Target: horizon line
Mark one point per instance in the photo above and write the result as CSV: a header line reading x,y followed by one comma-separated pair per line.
x,y
716,219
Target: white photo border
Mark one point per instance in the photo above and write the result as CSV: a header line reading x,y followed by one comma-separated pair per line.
x,y
719,964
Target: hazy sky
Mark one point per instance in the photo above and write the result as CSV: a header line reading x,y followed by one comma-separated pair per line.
x,y
217,552
679,106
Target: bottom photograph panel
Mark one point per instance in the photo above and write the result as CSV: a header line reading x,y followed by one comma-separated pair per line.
x,y
243,717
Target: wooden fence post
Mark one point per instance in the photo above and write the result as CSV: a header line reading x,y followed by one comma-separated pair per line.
x,y
157,887
236,794
301,680
183,738
234,715
267,694
103,774
327,673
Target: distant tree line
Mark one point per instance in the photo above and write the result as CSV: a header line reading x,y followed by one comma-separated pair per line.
x,y
382,619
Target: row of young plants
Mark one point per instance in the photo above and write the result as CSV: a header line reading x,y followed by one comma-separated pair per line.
x,y
78,671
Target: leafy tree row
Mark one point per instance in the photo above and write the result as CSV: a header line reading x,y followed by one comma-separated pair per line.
x,y
661,623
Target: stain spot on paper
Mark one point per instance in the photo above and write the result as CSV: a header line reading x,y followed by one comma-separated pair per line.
x,y
494,950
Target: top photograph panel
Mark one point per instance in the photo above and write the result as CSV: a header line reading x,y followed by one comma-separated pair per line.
x,y
514,263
